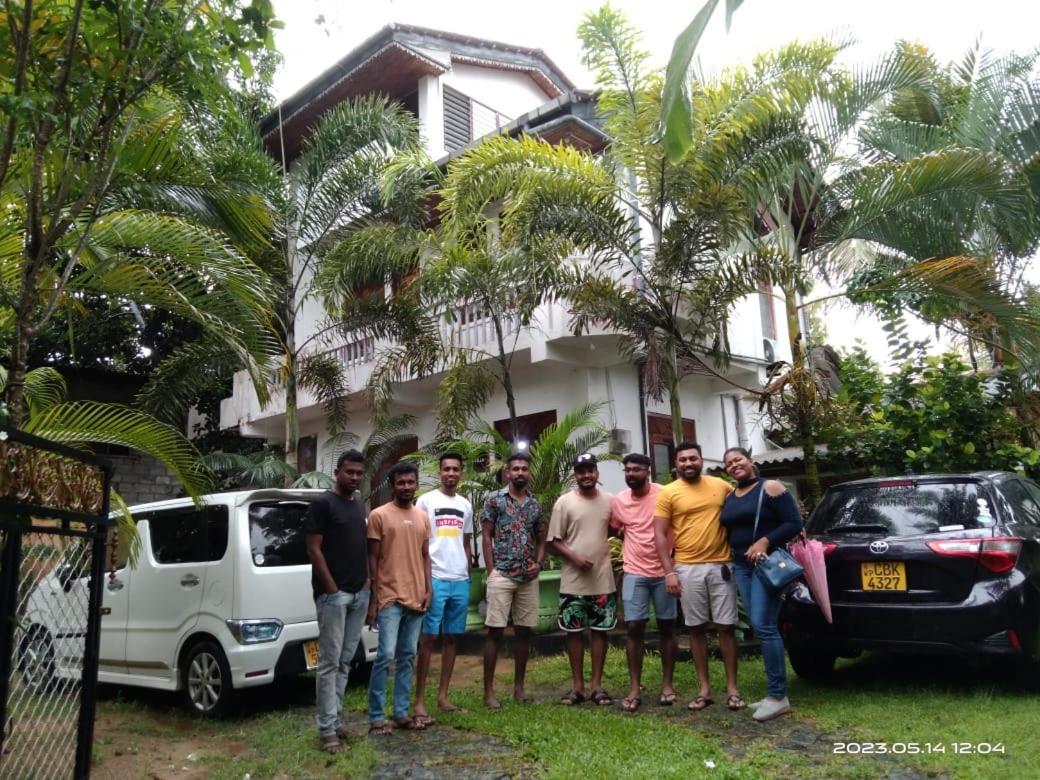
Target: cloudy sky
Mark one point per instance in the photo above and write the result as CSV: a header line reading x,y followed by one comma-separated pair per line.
x,y
319,32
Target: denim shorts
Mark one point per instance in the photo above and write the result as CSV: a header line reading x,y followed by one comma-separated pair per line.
x,y
636,593
448,607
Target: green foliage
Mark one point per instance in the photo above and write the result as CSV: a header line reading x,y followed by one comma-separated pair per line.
x,y
485,451
677,128
934,414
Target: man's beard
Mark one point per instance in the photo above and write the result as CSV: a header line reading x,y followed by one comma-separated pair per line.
x,y
635,484
519,482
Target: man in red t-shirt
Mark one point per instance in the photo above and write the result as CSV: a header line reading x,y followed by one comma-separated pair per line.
x,y
632,517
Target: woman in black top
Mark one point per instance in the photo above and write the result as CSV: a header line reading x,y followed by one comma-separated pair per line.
x,y
778,523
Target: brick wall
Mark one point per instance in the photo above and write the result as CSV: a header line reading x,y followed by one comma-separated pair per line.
x,y
139,479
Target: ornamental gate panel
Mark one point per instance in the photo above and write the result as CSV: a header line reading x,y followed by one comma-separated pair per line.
x,y
54,520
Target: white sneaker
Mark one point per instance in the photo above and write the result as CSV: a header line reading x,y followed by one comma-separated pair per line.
x,y
770,709
756,704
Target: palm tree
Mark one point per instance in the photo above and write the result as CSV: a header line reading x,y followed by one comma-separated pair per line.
x,y
330,189
840,207
468,266
102,185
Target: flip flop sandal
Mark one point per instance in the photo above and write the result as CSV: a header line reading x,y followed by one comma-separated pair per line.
x,y
630,703
410,724
667,699
332,744
735,702
700,703
572,697
423,720
382,729
601,698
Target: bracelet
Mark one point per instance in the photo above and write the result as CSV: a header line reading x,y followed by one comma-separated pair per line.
x,y
672,574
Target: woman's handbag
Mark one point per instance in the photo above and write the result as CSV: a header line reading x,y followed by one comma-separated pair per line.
x,y
779,568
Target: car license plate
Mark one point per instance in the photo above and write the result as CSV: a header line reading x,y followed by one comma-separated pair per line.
x,y
310,653
883,575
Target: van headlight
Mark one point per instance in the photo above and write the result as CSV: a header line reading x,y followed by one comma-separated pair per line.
x,y
251,632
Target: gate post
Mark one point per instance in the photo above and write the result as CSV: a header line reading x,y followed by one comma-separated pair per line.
x,y
92,641
9,571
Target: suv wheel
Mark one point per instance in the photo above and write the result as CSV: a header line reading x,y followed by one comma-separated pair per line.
x,y
206,680
811,663
36,659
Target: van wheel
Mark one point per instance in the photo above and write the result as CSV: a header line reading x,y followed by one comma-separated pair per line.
x,y
810,663
36,660
206,680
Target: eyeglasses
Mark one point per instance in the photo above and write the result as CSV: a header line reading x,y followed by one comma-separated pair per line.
x,y
585,457
635,469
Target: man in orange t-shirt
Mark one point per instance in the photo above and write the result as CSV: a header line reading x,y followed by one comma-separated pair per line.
x,y
632,517
402,584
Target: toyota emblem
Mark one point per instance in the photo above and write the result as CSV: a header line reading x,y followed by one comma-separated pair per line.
x,y
879,548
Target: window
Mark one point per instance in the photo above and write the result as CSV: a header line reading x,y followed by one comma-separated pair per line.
x,y
276,533
307,454
767,310
901,507
1024,498
662,448
189,535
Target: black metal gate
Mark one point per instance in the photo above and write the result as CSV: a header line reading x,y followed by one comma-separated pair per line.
x,y
53,528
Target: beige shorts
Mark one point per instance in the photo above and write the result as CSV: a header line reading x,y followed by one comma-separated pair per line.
x,y
506,596
706,597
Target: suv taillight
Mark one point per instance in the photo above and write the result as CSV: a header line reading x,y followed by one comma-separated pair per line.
x,y
998,555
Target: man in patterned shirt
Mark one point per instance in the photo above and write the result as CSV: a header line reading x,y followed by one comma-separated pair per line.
x,y
513,534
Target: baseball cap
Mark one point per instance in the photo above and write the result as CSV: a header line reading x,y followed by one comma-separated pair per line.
x,y
585,459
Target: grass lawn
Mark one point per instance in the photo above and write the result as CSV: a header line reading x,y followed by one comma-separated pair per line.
x,y
877,703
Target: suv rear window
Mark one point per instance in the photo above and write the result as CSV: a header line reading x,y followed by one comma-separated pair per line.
x,y
903,508
276,533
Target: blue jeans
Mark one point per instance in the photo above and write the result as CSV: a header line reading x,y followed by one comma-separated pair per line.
x,y
763,606
340,619
398,629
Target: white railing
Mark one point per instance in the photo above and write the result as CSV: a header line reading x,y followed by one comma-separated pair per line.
x,y
484,119
354,354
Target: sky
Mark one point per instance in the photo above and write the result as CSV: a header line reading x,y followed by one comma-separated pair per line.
x,y
319,32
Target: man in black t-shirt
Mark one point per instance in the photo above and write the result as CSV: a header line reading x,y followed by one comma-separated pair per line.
x,y
338,549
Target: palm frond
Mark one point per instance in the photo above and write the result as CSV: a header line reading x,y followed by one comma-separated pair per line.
x,y
90,422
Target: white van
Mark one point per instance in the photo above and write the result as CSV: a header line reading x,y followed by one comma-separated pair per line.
x,y
220,599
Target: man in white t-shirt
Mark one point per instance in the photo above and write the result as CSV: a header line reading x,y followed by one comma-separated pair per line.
x,y
451,525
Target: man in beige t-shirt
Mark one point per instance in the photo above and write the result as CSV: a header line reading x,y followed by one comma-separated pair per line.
x,y
578,534
399,564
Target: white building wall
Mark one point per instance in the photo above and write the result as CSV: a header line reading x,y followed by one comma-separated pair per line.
x,y
509,92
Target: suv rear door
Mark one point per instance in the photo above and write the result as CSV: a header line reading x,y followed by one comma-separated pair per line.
x,y
276,580
892,521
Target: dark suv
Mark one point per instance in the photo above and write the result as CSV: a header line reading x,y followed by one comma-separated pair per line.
x,y
945,563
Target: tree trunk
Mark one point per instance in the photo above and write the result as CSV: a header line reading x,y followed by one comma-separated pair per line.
x,y
803,402
292,425
14,394
674,399
507,379
21,342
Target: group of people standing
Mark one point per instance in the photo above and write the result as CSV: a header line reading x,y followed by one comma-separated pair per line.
x,y
692,543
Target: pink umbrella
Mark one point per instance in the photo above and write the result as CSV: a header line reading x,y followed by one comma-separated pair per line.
x,y
809,553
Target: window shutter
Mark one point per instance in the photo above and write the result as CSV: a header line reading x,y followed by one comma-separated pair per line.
x,y
457,120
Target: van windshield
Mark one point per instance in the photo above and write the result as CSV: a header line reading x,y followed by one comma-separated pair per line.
x,y
902,507
276,533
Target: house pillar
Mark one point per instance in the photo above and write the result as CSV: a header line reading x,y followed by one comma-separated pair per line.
x,y
431,115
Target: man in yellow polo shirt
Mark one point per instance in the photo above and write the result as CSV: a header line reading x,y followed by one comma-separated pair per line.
x,y
701,574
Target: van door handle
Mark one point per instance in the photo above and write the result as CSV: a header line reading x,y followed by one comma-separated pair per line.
x,y
189,580
114,584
